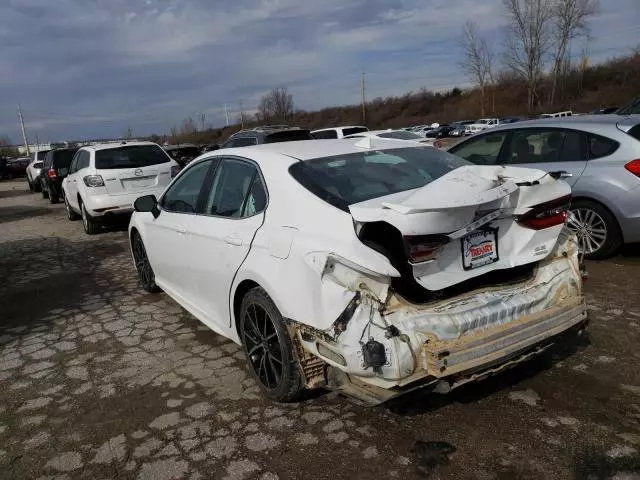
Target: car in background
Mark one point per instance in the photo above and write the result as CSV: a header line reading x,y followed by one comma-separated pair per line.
x,y
506,120
104,180
183,153
442,131
604,111
16,167
337,132
599,156
33,170
266,134
399,267
459,127
393,135
567,113
480,125
54,169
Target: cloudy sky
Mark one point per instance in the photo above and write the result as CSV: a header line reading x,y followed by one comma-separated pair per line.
x,y
91,68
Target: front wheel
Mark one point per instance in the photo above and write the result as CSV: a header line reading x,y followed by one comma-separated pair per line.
x,y
91,226
268,347
596,228
143,266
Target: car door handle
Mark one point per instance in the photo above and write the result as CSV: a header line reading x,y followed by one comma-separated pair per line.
x,y
233,240
181,230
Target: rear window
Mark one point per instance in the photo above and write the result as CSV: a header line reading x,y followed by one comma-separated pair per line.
x,y
352,130
288,136
41,154
400,135
356,177
635,132
135,156
62,158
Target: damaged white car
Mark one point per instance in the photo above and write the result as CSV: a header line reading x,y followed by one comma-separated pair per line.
x,y
366,266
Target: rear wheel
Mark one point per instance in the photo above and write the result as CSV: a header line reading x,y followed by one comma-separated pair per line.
x,y
30,184
45,193
145,272
36,185
91,226
71,214
268,347
53,196
597,229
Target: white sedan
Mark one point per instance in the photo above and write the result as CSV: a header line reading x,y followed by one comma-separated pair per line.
x,y
394,135
364,265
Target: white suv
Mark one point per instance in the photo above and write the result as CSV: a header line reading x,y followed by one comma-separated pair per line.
x,y
105,180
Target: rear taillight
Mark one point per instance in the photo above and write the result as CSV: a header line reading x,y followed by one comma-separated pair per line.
x,y
93,181
52,173
422,248
174,170
548,214
634,167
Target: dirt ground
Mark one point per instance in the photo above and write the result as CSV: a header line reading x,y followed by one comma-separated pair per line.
x,y
100,380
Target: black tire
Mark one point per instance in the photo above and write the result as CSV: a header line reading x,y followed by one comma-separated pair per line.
x,y
53,196
36,186
582,209
45,193
91,226
143,267
30,185
268,348
71,214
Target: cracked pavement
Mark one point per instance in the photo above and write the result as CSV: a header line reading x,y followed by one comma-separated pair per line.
x,y
101,380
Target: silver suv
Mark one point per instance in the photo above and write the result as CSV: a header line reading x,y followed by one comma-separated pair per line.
x,y
599,155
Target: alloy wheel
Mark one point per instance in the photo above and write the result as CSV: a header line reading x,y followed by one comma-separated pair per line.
x,y
142,262
590,228
263,346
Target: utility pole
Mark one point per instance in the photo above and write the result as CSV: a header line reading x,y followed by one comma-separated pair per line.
x,y
241,115
37,142
226,113
364,121
24,132
203,117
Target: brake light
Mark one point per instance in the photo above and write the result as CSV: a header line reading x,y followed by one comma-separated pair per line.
x,y
422,248
634,167
52,173
546,215
174,170
93,181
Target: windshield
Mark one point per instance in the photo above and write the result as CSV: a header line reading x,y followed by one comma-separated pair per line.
x,y
343,180
352,130
400,135
134,156
62,158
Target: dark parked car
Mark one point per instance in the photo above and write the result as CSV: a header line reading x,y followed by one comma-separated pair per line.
x,y
54,169
184,153
15,167
260,135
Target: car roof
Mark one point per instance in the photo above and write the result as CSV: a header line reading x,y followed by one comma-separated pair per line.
x,y
577,121
108,146
337,128
311,149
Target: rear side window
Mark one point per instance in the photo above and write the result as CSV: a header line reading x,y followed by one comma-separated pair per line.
x,y
545,146
325,134
483,150
62,158
135,156
288,136
352,130
356,177
233,188
601,147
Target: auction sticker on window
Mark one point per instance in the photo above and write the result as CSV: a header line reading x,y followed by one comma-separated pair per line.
x,y
479,248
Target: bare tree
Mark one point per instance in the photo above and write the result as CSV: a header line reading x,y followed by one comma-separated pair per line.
x,y
277,104
478,60
174,133
569,21
528,41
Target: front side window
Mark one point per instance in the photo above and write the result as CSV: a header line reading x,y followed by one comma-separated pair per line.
x,y
483,150
545,146
182,196
133,156
237,190
343,180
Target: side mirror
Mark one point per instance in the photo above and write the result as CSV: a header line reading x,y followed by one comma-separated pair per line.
x,y
147,203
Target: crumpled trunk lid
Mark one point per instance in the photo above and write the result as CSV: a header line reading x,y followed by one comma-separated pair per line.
x,y
475,208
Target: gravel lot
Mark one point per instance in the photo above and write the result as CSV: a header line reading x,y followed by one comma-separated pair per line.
x,y
100,380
